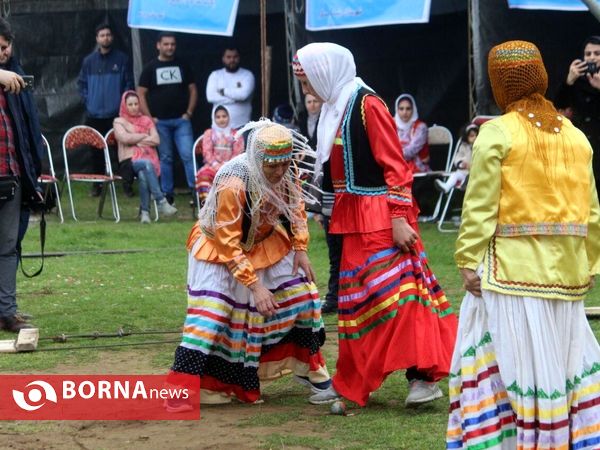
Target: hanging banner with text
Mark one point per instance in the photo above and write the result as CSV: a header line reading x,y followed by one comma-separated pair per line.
x,y
560,5
333,14
187,16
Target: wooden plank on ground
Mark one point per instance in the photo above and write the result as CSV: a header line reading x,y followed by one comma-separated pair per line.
x,y
593,312
27,339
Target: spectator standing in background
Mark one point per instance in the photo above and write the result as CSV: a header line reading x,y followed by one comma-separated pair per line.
x,y
309,122
580,93
105,74
232,86
168,94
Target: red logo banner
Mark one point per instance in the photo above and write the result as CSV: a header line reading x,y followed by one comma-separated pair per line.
x,y
99,397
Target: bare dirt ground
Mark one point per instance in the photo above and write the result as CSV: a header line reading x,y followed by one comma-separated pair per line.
x,y
218,427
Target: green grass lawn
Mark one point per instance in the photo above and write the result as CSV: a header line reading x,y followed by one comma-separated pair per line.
x,y
86,291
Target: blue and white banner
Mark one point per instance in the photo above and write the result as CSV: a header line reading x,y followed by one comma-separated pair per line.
x,y
187,16
332,14
560,5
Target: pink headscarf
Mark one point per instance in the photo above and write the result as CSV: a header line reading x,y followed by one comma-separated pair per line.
x,y
141,124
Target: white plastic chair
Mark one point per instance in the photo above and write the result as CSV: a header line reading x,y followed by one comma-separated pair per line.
x,y
478,120
441,143
50,181
84,137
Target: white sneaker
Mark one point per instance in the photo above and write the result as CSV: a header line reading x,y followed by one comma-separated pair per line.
x,y
315,388
329,395
165,209
441,186
144,217
422,392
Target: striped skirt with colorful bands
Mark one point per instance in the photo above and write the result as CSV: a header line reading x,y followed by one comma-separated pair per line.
x,y
231,346
525,375
392,315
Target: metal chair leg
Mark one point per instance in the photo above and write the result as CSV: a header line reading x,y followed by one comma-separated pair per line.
x,y
440,226
58,205
71,199
102,200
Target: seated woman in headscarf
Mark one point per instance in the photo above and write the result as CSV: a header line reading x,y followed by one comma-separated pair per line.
x,y
253,308
137,138
412,133
218,146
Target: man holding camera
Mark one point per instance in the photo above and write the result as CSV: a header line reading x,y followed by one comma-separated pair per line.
x,y
20,165
581,92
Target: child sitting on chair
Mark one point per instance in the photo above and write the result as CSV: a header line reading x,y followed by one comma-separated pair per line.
x,y
218,147
462,161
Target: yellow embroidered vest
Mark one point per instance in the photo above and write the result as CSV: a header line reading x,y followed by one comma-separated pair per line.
x,y
539,200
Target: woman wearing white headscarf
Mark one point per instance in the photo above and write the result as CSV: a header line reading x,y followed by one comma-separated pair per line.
x,y
219,145
392,313
412,133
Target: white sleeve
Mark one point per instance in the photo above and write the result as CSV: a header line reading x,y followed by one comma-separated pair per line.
x,y
212,94
245,90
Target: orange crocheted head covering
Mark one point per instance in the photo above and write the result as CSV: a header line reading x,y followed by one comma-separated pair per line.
x,y
519,81
516,70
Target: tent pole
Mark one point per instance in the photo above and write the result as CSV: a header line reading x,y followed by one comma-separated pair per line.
x,y
291,45
136,48
263,58
472,107
594,7
5,8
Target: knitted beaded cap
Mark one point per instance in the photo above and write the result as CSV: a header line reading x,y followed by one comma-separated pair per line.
x,y
519,81
275,143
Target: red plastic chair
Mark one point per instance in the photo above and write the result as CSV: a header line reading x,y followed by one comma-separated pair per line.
x,y
84,137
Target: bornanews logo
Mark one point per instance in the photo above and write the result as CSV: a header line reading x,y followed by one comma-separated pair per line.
x,y
99,397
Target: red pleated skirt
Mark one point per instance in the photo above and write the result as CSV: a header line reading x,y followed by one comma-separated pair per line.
x,y
393,315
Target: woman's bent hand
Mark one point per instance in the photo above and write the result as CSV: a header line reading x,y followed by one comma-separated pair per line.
x,y
263,299
301,260
403,234
471,282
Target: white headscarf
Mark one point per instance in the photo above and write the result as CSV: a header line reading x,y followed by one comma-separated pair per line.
x,y
331,71
404,127
217,130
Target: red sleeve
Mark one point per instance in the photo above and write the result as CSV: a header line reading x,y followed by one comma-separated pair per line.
x,y
387,150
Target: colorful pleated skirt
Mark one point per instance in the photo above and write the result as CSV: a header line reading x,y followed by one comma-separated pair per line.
x,y
204,180
525,375
392,315
232,347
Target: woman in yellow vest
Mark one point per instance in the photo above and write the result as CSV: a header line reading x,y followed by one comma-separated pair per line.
x,y
526,367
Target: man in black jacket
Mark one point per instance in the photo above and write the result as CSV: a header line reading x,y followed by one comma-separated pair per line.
x,y
20,165
581,92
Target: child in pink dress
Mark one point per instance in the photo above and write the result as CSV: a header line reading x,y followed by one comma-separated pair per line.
x,y
218,147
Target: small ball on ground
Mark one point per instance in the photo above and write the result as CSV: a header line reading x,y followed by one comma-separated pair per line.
x,y
338,407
